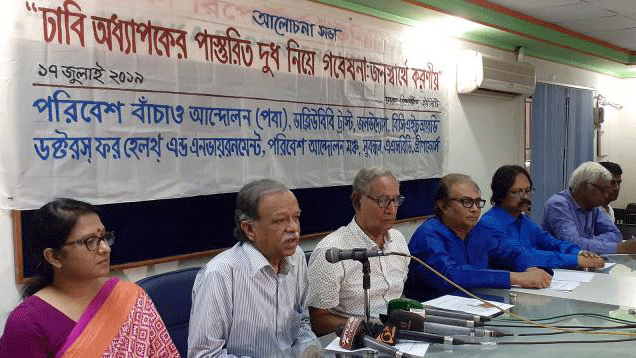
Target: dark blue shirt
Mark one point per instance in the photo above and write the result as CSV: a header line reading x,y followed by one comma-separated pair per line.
x,y
464,261
542,249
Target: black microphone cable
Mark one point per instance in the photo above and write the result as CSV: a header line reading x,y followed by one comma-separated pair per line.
x,y
560,318
632,335
625,324
509,343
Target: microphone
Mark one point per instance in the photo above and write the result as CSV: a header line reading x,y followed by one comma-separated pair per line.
x,y
394,330
427,337
446,330
334,255
405,320
353,336
433,311
447,320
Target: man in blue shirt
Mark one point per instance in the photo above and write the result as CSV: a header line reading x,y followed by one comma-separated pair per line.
x,y
511,187
454,244
574,214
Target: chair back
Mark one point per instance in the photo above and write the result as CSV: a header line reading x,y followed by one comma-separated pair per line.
x,y
171,293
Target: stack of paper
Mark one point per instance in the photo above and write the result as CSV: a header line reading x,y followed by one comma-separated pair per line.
x,y
567,280
468,305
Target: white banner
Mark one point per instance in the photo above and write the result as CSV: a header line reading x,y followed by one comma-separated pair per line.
x,y
115,101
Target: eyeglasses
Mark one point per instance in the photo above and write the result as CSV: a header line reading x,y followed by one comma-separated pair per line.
x,y
601,189
384,201
522,192
92,243
469,202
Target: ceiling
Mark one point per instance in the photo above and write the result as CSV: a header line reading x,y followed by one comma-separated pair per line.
x,y
599,35
612,21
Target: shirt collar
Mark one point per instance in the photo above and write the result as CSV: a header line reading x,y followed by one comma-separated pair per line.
x,y
257,261
503,216
568,195
450,231
366,240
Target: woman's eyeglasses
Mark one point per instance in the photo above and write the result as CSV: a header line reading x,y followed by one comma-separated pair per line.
x,y
92,242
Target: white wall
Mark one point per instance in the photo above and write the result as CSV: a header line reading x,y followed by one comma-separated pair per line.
x,y
9,295
620,130
485,131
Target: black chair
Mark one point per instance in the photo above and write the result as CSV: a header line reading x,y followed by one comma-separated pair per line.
x,y
171,293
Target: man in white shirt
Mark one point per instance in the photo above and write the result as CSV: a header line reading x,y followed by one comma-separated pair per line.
x,y
617,172
251,300
336,288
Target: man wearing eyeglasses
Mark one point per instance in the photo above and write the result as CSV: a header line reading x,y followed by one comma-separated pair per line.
x,y
251,299
336,288
574,214
511,189
457,246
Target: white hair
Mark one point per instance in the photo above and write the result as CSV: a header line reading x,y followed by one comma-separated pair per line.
x,y
588,172
363,180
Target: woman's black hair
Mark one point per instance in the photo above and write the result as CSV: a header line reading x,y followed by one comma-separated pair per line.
x,y
51,225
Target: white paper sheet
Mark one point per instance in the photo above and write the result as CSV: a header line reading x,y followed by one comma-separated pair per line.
x,y
468,305
558,285
608,266
415,348
575,276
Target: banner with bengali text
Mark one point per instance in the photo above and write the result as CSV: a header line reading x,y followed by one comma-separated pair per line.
x,y
116,101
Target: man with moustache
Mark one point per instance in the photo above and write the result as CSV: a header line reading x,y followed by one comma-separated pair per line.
x,y
457,246
511,188
616,181
574,214
336,289
251,300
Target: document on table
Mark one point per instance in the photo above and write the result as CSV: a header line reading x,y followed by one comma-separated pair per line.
x,y
558,285
568,280
608,266
468,305
572,276
417,349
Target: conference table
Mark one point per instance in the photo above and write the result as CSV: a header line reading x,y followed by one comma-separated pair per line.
x,y
611,292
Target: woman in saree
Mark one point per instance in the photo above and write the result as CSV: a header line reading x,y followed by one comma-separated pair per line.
x,y
73,308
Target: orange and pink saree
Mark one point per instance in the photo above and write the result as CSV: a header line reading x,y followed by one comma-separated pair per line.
x,y
121,321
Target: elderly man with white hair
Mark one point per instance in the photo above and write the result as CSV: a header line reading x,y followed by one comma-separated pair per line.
x,y
575,215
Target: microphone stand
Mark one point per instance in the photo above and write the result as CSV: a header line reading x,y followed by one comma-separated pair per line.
x,y
366,285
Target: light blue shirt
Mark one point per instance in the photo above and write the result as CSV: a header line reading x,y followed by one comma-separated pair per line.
x,y
591,229
242,308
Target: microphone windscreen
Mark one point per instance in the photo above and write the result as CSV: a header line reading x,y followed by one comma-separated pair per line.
x,y
407,320
351,333
384,318
373,329
339,330
332,255
403,304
